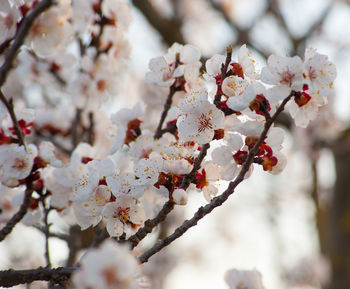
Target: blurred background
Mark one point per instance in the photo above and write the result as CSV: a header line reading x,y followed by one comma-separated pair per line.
x,y
295,227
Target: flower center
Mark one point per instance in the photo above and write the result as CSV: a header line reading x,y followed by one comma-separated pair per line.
x,y
312,74
287,78
122,214
19,164
204,123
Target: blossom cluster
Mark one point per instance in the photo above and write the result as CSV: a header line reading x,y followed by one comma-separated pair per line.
x,y
116,172
111,183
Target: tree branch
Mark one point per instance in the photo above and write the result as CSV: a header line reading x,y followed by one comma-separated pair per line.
x,y
224,68
9,278
76,128
19,215
5,45
21,34
219,200
11,110
91,129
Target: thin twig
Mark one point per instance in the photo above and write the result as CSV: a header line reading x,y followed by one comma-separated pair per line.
x,y
219,200
19,215
47,234
19,37
76,125
9,278
167,105
91,129
11,110
224,68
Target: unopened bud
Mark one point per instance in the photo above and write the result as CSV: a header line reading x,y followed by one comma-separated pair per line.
x,y
180,197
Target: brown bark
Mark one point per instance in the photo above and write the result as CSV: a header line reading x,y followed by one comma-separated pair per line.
x,y
339,218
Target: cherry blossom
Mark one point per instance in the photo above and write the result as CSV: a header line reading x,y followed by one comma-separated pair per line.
x,y
247,62
223,156
16,163
93,172
121,213
47,153
180,197
213,67
319,71
52,31
199,119
165,69
110,266
89,211
125,183
284,72
9,16
256,97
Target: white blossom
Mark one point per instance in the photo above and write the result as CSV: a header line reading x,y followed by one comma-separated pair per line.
x,y
89,212
120,213
110,266
319,71
9,16
199,119
286,73
16,162
164,69
244,279
180,197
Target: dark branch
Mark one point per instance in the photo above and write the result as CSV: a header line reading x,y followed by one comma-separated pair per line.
x,y
11,110
91,129
219,200
12,277
19,215
5,45
150,224
224,68
76,128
